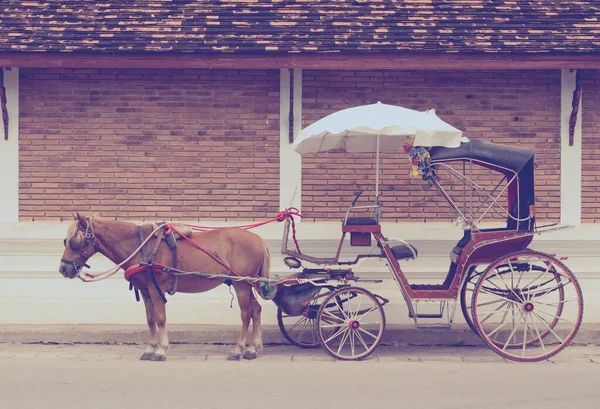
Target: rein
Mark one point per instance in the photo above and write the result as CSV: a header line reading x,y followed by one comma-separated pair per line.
x,y
280,217
90,278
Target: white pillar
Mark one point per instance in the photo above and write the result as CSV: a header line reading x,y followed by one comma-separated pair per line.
x,y
9,150
290,163
570,156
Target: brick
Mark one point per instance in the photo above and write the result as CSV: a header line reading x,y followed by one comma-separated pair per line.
x,y
141,141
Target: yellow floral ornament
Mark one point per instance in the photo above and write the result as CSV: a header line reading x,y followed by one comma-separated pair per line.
x,y
419,157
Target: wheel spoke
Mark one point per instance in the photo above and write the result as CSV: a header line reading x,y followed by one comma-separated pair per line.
x,y
512,333
344,338
370,322
511,289
368,311
520,272
483,304
494,312
554,304
335,317
335,335
557,317
342,310
499,296
357,308
497,329
545,292
524,335
300,321
539,337
535,279
362,341
547,326
367,332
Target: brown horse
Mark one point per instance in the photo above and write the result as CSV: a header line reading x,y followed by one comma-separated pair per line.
x,y
242,251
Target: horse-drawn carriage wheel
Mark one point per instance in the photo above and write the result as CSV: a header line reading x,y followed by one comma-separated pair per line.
x,y
301,330
350,323
527,306
466,300
466,296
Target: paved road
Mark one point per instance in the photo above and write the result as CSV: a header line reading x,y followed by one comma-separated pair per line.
x,y
111,376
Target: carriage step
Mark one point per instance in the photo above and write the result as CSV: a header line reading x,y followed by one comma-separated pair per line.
x,y
433,326
440,315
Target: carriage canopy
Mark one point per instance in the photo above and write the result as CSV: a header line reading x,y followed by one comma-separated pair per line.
x,y
515,163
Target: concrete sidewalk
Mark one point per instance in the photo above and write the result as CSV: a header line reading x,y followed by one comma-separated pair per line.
x,y
384,354
459,335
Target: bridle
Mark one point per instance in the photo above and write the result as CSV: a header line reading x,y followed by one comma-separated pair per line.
x,y
89,238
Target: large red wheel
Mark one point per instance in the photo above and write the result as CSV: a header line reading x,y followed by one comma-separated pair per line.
x,y
527,306
351,322
466,296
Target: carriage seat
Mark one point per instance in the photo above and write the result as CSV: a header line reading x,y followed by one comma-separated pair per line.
x,y
361,221
403,251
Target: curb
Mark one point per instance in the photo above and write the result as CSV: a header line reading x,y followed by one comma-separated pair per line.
x,y
218,335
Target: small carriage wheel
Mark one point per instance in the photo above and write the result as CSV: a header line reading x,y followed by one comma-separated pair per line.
x,y
301,330
466,296
350,323
527,306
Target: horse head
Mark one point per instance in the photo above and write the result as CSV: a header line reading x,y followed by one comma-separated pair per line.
x,y
80,245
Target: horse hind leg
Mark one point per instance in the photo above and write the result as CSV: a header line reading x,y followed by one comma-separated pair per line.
x,y
256,329
256,345
244,293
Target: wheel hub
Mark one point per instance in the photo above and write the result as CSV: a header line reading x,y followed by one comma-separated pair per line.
x,y
528,306
354,324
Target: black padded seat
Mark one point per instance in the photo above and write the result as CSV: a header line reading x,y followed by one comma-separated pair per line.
x,y
404,251
361,221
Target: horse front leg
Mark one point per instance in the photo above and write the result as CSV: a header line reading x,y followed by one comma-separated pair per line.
x,y
160,317
243,292
152,334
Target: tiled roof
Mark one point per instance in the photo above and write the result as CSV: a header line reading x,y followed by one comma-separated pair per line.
x,y
300,26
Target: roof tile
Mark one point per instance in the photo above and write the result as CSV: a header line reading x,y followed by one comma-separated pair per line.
x,y
306,26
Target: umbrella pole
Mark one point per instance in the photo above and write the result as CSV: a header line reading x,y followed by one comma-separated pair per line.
x,y
377,174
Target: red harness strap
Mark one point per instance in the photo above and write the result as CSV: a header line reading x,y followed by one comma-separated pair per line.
x,y
157,268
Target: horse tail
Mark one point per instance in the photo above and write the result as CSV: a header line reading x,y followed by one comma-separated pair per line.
x,y
266,263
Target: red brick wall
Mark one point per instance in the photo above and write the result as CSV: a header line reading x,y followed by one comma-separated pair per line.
x,y
512,107
155,144
590,112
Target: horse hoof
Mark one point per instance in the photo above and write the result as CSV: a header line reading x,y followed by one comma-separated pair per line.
x,y
250,355
234,356
158,358
147,356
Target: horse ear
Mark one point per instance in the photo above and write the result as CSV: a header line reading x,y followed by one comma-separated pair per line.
x,y
82,220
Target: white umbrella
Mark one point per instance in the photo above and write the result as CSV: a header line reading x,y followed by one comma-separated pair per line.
x,y
376,128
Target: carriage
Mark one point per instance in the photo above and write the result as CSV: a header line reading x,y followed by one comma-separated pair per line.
x,y
524,304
